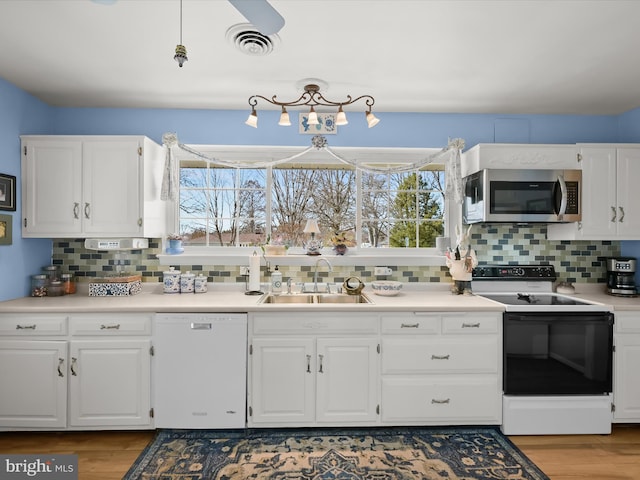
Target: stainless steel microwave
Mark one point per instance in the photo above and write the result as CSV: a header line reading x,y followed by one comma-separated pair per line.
x,y
522,196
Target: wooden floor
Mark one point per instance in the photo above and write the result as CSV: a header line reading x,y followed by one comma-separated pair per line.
x,y
108,455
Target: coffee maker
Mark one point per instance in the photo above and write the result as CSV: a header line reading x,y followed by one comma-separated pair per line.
x,y
621,273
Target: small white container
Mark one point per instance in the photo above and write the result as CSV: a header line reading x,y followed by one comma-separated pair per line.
x,y
171,280
276,281
187,282
200,284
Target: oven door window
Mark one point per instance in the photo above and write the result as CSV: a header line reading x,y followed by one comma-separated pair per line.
x,y
528,198
557,354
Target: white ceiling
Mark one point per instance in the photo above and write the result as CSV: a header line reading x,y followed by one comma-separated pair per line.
x,y
468,56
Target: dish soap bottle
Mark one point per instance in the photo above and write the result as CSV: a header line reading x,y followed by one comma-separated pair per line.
x,y
276,281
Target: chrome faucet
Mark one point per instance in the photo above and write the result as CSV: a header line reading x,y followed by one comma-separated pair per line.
x,y
315,272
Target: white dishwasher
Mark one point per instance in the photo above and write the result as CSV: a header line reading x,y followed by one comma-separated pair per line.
x,y
200,373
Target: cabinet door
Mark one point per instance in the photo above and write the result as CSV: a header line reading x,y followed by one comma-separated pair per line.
x,y
109,383
626,380
34,383
347,380
628,173
111,182
51,187
282,380
599,192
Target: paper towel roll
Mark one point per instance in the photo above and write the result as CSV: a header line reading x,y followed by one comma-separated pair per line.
x,y
254,272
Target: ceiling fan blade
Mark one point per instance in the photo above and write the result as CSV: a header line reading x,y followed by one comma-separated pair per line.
x,y
260,14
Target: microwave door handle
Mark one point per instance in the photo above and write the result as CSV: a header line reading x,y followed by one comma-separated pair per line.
x,y
563,196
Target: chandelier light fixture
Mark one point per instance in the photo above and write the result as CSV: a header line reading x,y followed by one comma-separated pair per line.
x,y
181,51
312,97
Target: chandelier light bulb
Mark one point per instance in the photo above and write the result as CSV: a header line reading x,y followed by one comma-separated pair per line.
x,y
284,118
313,117
372,120
341,118
252,121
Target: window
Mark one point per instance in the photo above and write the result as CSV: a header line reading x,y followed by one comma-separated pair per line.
x,y
231,207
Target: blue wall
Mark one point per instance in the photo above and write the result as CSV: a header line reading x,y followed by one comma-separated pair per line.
x,y
21,114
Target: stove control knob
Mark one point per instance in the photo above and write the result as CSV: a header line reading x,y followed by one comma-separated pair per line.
x,y
519,272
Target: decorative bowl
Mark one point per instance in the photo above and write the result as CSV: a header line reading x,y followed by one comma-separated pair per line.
x,y
275,250
388,288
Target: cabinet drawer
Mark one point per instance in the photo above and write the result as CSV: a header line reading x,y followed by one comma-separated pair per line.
x,y
314,324
414,323
627,322
32,325
439,355
464,399
470,323
114,324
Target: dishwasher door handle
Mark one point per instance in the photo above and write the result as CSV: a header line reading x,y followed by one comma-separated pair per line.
x,y
200,326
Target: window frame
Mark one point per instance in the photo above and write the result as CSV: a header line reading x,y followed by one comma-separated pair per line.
x,y
357,255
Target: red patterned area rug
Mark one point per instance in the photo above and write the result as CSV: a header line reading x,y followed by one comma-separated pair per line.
x,y
449,453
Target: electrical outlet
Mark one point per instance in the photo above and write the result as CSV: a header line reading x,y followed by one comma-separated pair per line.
x,y
381,271
244,270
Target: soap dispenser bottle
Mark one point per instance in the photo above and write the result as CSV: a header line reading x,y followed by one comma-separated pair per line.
x,y
276,281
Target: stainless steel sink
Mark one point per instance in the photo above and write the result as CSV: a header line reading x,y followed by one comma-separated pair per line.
x,y
287,298
313,298
342,298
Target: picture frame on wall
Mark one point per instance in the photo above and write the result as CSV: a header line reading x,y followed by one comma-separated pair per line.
x,y
7,192
5,229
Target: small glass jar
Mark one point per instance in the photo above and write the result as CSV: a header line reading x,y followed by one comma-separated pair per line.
x,y
55,289
39,284
68,283
52,272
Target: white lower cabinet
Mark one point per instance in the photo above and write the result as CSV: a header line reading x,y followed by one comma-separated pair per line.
x,y
33,375
85,371
441,368
109,383
313,370
626,377
375,369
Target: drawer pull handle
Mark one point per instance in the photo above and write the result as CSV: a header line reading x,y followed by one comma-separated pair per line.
x,y
410,325
320,369
471,325
621,214
60,367
613,209
76,210
26,327
440,402
308,363
74,360
87,210
110,327
440,357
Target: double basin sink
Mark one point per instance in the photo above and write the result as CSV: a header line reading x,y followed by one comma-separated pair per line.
x,y
314,298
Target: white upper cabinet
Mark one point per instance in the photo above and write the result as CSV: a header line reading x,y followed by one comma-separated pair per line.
x,y
610,196
92,186
518,156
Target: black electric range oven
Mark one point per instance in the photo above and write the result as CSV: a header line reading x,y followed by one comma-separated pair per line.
x,y
557,353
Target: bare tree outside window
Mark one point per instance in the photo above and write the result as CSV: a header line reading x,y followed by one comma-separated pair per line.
x,y
222,206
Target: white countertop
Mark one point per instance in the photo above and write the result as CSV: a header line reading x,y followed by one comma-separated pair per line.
x,y
231,298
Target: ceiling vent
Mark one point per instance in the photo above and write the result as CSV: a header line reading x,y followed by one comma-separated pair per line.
x,y
246,38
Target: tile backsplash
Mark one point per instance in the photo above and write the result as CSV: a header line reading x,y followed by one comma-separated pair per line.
x,y
574,261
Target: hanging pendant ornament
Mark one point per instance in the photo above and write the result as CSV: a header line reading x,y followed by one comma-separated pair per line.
x,y
181,50
181,55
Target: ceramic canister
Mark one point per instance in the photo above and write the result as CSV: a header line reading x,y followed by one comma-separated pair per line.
x,y
171,280
187,282
200,284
